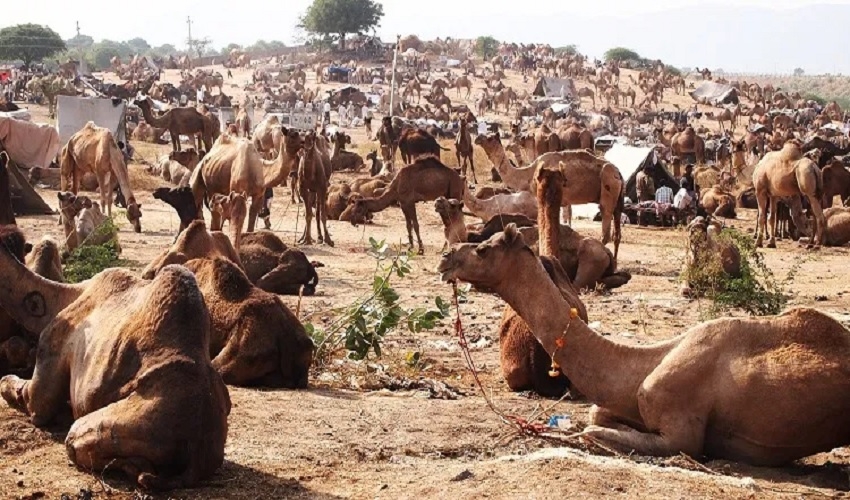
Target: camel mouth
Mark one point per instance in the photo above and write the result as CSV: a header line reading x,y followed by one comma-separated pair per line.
x,y
446,268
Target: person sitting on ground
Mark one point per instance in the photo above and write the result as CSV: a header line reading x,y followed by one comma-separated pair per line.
x,y
664,195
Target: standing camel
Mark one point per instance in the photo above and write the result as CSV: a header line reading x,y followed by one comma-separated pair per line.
x,y
423,180
787,174
314,175
463,149
463,82
180,121
93,149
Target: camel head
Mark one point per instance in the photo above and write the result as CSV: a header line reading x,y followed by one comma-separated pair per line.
x,y
448,209
486,265
488,142
70,204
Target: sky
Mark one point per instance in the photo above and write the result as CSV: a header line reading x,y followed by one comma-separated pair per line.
x,y
765,36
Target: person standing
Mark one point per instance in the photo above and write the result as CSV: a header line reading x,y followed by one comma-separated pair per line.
x,y
644,185
367,120
327,112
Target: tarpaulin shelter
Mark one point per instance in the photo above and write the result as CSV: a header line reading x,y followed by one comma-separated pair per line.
x,y
629,160
715,93
31,145
555,87
74,112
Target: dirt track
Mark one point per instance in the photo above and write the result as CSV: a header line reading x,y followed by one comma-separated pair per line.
x,y
347,437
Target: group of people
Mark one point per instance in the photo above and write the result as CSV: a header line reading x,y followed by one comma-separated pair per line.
x,y
666,202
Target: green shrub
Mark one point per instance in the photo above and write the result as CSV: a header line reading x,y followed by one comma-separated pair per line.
x,y
756,291
85,261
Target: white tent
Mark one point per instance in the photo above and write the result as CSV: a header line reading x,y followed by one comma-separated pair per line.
x,y
72,113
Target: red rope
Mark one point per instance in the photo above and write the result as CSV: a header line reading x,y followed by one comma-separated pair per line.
x,y
519,423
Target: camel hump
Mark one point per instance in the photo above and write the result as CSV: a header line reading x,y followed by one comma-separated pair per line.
x,y
186,310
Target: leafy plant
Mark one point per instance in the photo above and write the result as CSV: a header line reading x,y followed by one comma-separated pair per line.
x,y
362,326
756,291
85,261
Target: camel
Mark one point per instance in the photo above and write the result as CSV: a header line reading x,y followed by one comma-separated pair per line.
x,y
518,179
707,252
232,208
522,202
718,202
180,121
463,82
787,174
639,389
84,223
275,268
836,182
591,180
837,232
587,92
254,339
93,149
234,164
195,242
342,159
456,231
268,136
464,149
546,141
178,166
313,181
576,137
145,133
17,345
120,350
688,142
423,180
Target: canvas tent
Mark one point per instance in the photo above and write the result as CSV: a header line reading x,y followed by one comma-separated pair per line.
x,y
629,159
74,112
715,93
552,87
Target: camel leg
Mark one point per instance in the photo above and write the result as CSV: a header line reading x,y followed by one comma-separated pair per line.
x,y
761,224
320,236
46,394
216,224
472,167
820,221
414,222
103,186
254,211
328,241
607,217
409,212
307,237
774,217
683,437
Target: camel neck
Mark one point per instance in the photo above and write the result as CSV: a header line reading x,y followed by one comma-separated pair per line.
x,y
387,198
549,193
277,170
32,301
608,373
149,117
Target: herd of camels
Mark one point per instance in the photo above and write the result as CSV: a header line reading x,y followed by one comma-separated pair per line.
x,y
205,311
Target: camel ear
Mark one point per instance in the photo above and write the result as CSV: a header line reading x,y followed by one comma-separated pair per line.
x,y
513,237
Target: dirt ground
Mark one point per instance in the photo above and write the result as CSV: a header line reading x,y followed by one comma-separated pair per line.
x,y
347,436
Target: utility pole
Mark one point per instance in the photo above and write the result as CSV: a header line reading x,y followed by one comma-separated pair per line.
x,y
189,40
392,84
78,28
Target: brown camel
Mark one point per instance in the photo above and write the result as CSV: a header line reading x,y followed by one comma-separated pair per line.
x,y
313,181
837,226
687,142
718,202
423,180
254,339
195,242
787,174
587,92
590,179
464,149
460,82
456,231
518,179
180,121
702,393
84,223
234,164
45,260
836,182
93,149
576,137
342,159
232,208
273,267
546,141
132,358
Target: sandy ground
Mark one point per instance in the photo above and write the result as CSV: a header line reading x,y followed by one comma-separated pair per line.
x,y
348,437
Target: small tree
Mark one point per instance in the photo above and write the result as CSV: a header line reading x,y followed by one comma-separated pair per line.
x,y
199,45
29,43
165,50
79,42
340,17
486,46
621,54
799,72
567,50
138,45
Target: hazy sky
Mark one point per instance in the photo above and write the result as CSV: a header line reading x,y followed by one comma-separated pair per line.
x,y
682,32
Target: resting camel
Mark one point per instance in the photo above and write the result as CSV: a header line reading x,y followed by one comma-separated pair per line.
x,y
254,338
423,180
195,242
234,164
93,149
275,268
342,159
180,121
521,202
132,358
83,222
590,180
313,181
718,202
45,260
702,393
787,174
456,231
837,226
